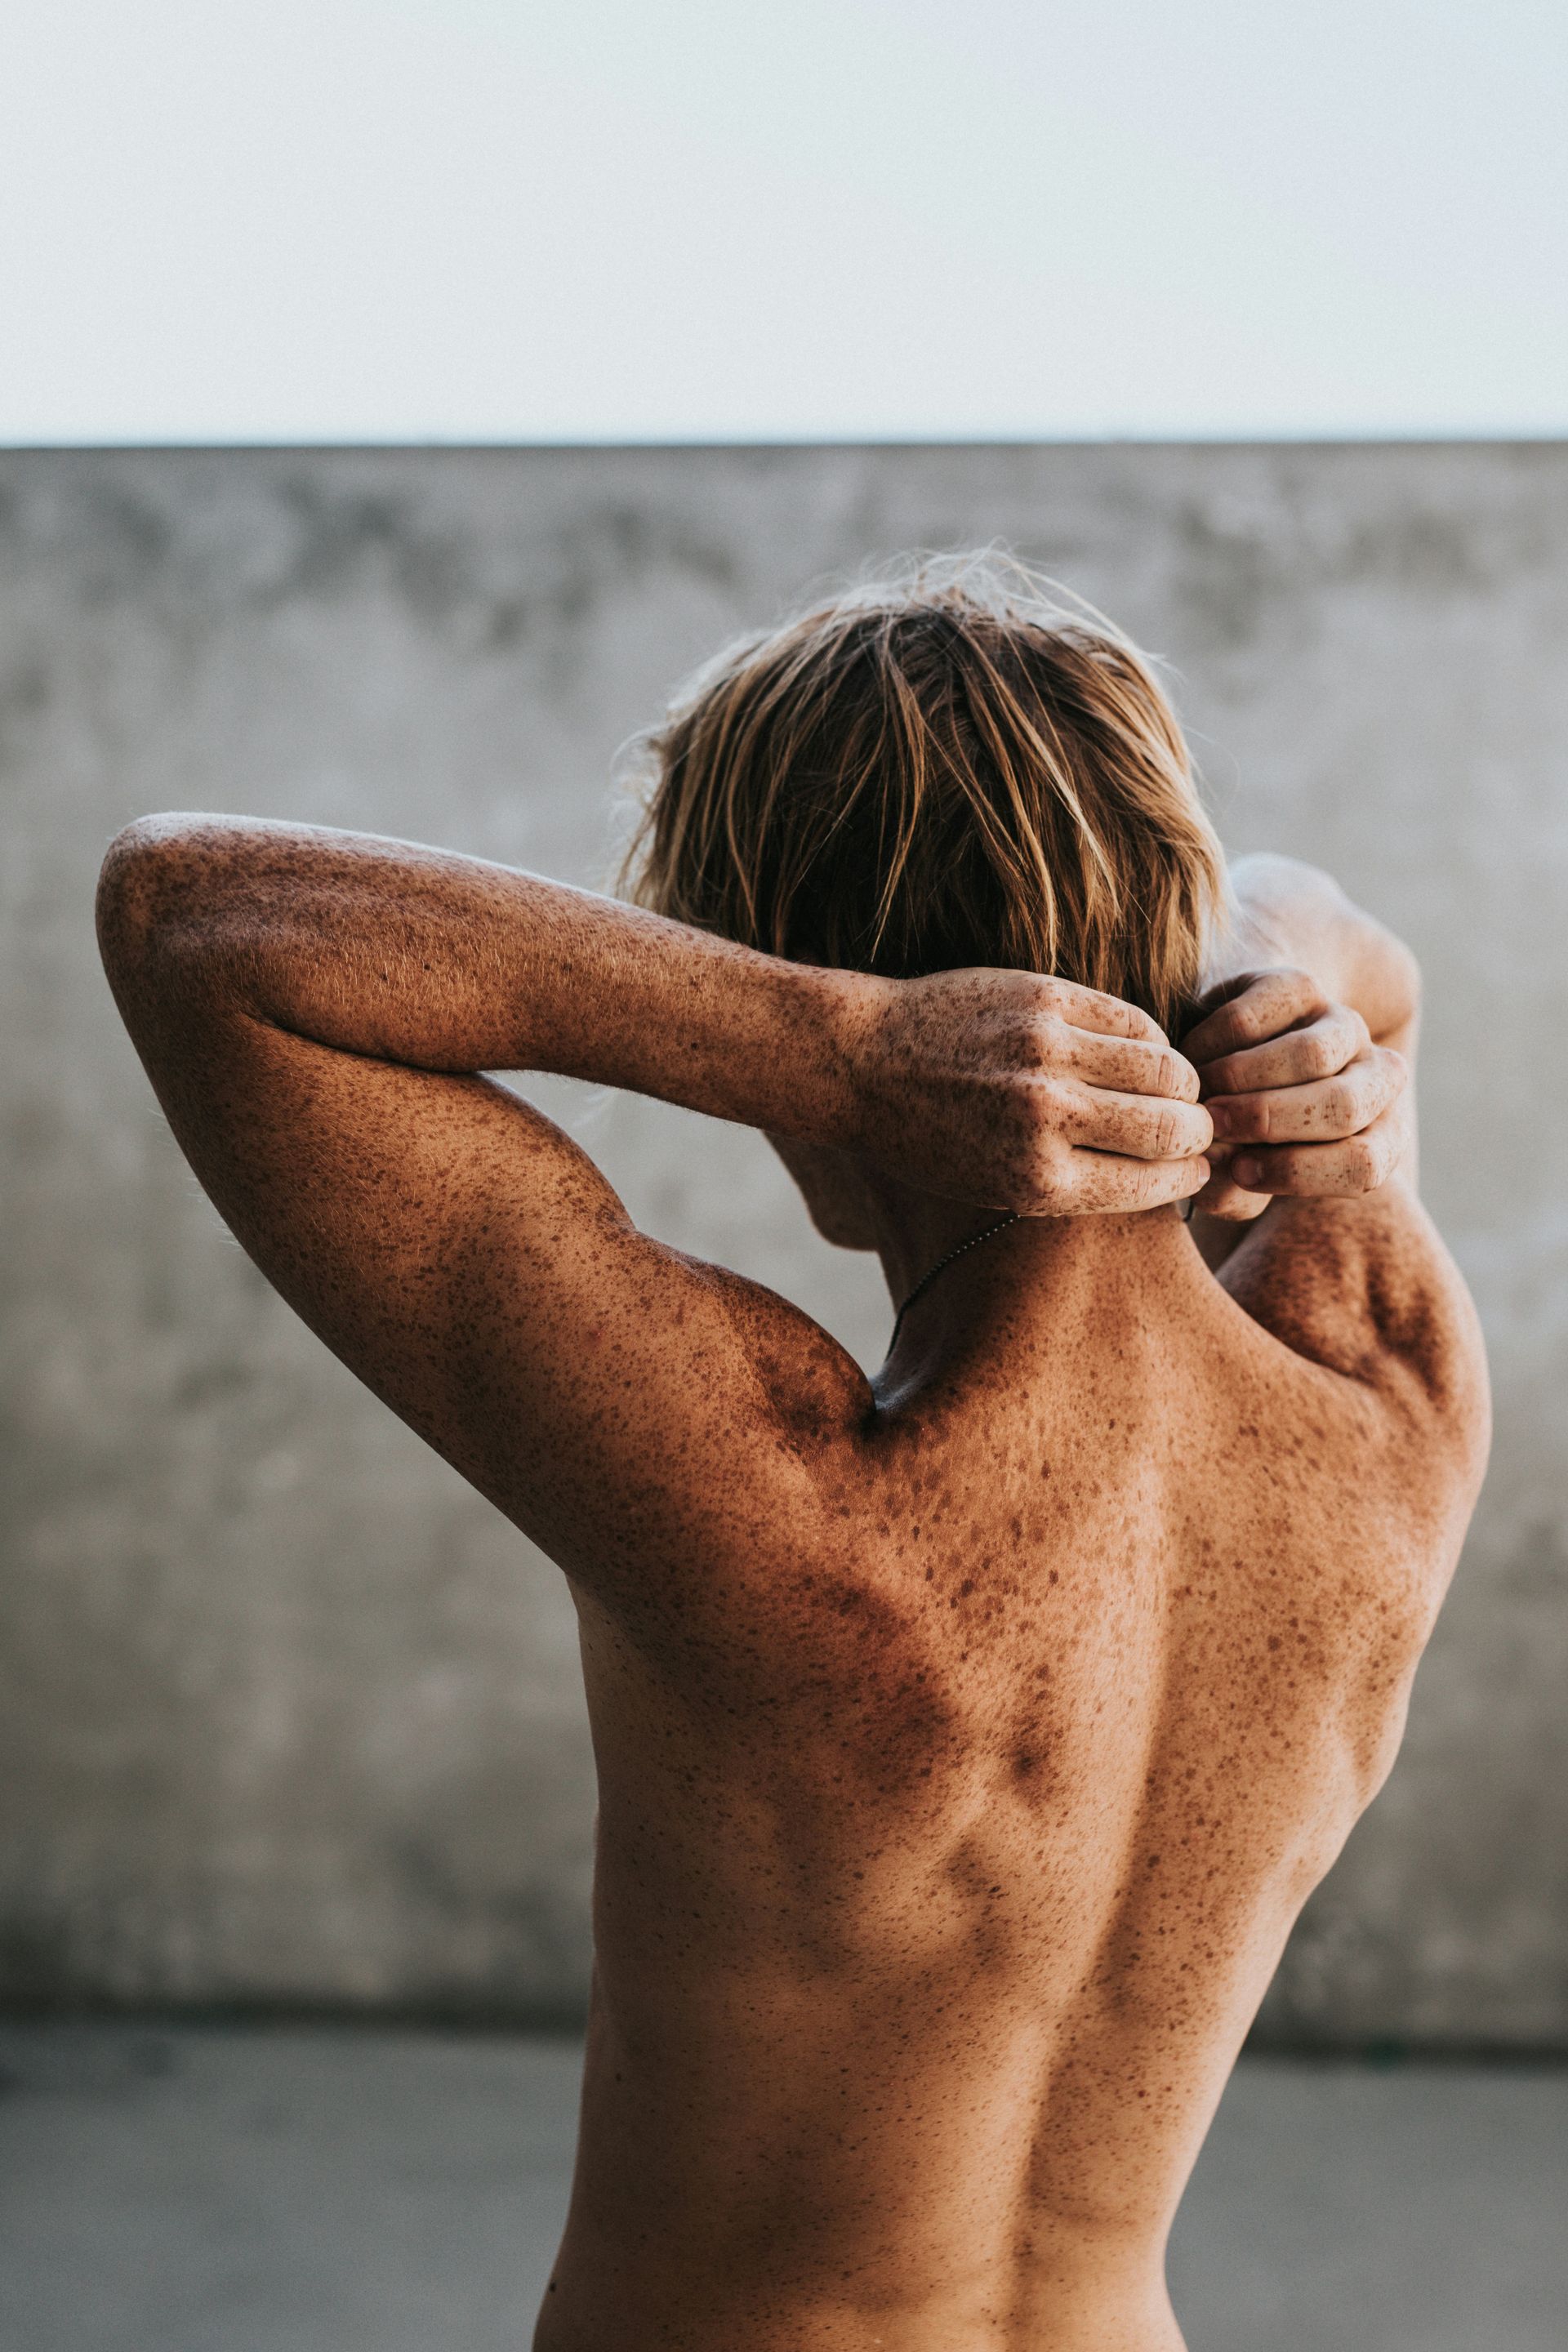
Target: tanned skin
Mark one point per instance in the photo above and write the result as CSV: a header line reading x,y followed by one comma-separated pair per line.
x,y
968,1737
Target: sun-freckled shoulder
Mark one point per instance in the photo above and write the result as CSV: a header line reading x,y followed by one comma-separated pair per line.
x,y
819,1394
1366,1289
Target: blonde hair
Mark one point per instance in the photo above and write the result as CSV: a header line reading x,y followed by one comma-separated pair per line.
x,y
946,767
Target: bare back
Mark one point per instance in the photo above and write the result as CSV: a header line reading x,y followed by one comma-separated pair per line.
x,y
968,1740
950,1833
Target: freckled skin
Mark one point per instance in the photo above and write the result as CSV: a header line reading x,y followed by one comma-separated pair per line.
x,y
968,1739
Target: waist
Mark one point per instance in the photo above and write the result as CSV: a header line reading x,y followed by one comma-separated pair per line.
x,y
846,2188
603,2298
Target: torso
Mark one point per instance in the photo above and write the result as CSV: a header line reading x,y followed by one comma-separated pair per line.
x,y
951,1830
968,1742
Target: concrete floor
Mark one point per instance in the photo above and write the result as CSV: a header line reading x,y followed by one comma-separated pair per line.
x,y
204,2190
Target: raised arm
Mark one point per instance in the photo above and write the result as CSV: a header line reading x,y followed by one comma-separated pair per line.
x,y
439,964
1291,913
1307,1057
314,1009
1306,1044
999,1087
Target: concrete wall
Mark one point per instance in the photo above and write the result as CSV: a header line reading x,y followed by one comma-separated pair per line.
x,y
287,1715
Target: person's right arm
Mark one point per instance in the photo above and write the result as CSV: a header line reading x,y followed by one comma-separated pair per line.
x,y
315,1010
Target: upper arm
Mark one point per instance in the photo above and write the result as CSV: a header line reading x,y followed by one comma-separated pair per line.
x,y
1364,1286
468,1261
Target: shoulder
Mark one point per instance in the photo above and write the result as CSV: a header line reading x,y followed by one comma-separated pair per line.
x,y
709,1440
1366,1288
808,1386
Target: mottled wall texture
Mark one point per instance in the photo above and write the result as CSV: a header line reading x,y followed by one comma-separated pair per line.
x,y
288,1716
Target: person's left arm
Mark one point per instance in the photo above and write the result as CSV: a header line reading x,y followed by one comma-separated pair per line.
x,y
1305,1043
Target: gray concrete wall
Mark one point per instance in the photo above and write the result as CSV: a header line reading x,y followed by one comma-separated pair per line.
x,y
286,1715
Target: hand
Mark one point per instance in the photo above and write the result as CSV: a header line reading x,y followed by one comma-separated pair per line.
x,y
1019,1092
1302,1101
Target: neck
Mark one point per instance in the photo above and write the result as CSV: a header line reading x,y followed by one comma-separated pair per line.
x,y
1023,1260
915,1231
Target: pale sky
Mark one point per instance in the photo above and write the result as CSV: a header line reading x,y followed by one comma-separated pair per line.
x,y
461,220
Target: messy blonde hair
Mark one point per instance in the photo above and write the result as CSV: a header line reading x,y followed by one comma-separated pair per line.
x,y
947,767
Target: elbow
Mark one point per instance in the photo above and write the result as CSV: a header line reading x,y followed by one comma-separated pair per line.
x,y
132,895
153,889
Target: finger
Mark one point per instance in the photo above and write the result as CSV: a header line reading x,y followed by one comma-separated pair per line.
x,y
1222,993
1326,1112
1318,1050
1129,1066
1221,1198
1136,1127
1325,1170
1110,1016
1099,1183
1270,1002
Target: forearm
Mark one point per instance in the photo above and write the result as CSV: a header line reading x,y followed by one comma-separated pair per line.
x,y
440,963
1291,913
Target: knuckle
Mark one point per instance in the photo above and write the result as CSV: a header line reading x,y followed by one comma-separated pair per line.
x,y
1360,1164
1341,1107
1035,1042
1387,1140
1030,1041
1318,1054
1291,991
1029,1164
1049,1116
1250,1017
1164,1134
1046,1103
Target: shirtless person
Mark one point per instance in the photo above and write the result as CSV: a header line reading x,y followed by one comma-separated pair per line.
x,y
968,1737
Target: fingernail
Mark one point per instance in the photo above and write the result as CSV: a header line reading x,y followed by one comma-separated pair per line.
x,y
1247,1174
1219,1112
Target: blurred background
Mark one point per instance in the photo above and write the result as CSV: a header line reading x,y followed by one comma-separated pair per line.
x,y
396,401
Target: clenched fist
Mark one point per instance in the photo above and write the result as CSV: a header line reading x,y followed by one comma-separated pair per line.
x,y
1302,1101
1019,1092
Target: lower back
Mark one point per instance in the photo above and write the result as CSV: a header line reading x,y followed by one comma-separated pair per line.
x,y
929,1927
846,2166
